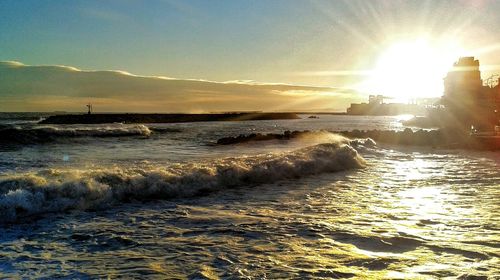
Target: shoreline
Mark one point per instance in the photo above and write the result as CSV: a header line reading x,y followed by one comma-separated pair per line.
x,y
164,118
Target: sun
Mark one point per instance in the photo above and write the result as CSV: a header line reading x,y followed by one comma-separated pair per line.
x,y
412,69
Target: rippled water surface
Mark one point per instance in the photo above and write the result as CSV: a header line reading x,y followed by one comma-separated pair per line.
x,y
272,210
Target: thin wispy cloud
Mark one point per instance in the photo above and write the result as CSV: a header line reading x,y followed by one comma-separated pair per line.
x,y
67,88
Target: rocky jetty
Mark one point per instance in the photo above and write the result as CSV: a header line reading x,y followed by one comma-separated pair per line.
x,y
432,138
441,138
164,118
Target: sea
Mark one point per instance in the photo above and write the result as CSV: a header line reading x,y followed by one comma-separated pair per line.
x,y
164,201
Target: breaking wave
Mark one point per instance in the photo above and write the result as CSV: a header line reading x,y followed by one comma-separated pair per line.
x,y
59,190
12,134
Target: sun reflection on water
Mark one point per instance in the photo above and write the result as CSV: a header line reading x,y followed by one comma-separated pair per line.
x,y
417,169
424,203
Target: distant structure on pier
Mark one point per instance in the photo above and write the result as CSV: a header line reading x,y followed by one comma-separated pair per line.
x,y
377,107
89,107
468,101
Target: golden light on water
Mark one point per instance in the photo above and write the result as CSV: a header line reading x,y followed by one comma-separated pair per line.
x,y
412,69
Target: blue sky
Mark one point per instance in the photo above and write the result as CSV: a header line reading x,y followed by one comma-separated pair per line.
x,y
278,41
199,39
223,40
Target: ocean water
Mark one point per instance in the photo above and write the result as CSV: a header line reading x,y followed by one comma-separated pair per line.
x,y
160,201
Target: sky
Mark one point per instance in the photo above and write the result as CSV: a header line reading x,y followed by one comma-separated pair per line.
x,y
331,53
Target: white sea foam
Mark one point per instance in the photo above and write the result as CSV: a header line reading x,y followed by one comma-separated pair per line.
x,y
38,134
322,136
366,142
99,131
58,190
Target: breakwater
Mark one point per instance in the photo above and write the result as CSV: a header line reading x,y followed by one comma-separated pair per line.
x,y
164,118
441,138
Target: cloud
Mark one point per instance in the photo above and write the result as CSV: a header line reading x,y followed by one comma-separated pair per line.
x,y
54,87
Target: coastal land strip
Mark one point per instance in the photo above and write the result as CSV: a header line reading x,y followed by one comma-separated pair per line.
x,y
164,118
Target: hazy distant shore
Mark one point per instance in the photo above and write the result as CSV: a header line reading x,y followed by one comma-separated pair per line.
x,y
164,118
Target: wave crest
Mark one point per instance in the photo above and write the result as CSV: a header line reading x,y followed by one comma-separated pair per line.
x,y
34,135
59,190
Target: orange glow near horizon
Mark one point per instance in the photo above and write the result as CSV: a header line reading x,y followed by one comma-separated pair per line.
x,y
412,69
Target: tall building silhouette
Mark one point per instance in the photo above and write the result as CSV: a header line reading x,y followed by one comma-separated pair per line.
x,y
470,103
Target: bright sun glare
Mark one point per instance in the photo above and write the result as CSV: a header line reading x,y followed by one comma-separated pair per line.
x,y
412,69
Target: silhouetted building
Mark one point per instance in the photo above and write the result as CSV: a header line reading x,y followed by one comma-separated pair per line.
x,y
376,99
377,107
468,102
